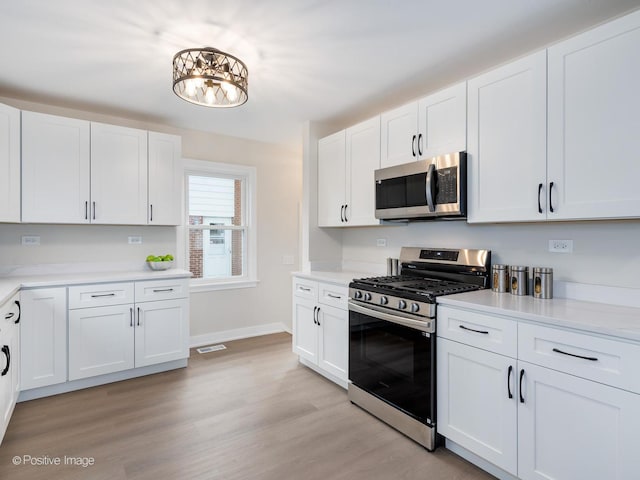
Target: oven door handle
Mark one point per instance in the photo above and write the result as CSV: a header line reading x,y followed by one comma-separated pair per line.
x,y
371,311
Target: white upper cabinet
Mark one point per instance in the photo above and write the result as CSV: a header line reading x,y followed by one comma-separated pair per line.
x,y
55,169
9,164
362,159
346,185
398,135
434,125
165,179
442,122
331,180
594,122
118,175
507,142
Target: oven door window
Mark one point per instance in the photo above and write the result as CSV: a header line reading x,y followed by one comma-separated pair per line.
x,y
393,362
401,192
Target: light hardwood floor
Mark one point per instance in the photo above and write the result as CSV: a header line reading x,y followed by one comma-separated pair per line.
x,y
248,412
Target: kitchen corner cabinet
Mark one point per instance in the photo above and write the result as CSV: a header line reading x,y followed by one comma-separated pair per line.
x,y
43,338
346,186
321,327
118,175
9,360
9,164
165,179
507,135
594,122
432,126
535,412
120,326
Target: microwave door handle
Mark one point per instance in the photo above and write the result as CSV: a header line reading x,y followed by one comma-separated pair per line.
x,y
430,187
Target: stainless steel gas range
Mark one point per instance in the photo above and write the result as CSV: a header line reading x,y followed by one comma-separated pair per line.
x,y
392,341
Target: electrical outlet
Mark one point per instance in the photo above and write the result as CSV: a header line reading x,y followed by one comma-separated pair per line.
x,y
135,240
30,240
381,242
561,246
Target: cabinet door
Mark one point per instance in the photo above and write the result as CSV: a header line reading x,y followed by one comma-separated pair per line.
x,y
474,408
507,142
9,164
165,179
594,122
333,346
101,340
162,331
55,169
331,180
305,329
118,175
9,362
574,428
43,339
399,135
442,122
363,158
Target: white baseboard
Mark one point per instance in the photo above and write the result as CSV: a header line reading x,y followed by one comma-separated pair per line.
x,y
237,334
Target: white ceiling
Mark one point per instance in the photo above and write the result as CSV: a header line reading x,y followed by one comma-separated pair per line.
x,y
320,60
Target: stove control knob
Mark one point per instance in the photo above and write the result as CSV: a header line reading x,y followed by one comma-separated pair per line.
x,y
367,296
402,304
415,307
384,300
357,294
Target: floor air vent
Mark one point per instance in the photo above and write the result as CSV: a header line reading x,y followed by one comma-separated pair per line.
x,y
211,348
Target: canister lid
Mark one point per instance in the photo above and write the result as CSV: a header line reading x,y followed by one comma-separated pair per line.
x,y
519,268
542,270
499,266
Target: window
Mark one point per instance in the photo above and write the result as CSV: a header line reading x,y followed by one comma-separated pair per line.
x,y
220,230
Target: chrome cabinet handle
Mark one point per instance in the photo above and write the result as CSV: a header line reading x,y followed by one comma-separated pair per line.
x,y
539,191
138,316
420,144
550,204
131,316
591,359
520,387
163,290
103,295
413,146
484,332
509,380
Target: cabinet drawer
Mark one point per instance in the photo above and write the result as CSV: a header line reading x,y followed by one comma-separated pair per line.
x,y
162,289
606,361
303,288
492,333
105,294
333,295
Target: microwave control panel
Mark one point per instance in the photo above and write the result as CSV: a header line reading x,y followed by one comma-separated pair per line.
x,y
447,185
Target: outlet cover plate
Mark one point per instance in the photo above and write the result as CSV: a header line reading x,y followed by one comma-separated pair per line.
x,y
30,240
561,246
135,240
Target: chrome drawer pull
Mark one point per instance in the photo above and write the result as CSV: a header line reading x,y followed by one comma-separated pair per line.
x,y
104,295
163,290
484,332
591,359
334,296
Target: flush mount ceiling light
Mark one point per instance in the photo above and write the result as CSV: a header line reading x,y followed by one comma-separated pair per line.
x,y
209,77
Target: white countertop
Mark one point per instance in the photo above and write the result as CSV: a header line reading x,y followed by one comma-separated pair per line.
x,y
9,285
602,318
337,278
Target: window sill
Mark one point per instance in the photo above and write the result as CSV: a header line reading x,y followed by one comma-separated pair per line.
x,y
230,285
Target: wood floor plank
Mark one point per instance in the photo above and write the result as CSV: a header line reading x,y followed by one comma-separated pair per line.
x,y
248,412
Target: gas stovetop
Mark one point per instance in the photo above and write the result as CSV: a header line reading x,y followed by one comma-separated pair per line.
x,y
421,286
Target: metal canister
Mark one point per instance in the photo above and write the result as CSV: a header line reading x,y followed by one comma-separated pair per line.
x,y
500,278
542,282
519,280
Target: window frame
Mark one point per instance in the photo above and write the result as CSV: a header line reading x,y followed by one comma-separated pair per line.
x,y
249,278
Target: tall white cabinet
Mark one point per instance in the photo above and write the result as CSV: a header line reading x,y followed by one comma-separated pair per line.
x,y
9,164
594,122
507,141
332,181
165,179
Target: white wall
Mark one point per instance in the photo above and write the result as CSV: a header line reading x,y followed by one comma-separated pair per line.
x,y
605,252
279,184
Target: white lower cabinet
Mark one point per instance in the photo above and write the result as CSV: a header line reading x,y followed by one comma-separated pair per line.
x,y
43,337
9,360
321,327
531,421
111,338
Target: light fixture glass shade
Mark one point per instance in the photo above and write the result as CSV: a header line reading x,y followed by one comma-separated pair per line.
x,y
209,77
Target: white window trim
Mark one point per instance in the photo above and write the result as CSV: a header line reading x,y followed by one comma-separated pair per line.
x,y
250,277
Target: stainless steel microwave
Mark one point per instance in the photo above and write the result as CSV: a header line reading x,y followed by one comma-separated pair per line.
x,y
426,189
